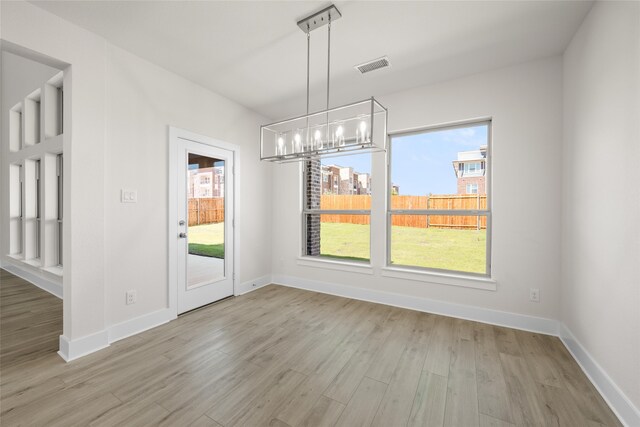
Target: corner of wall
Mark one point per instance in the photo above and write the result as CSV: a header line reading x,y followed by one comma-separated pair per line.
x,y
619,403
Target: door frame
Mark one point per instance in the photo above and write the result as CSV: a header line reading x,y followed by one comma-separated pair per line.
x,y
175,134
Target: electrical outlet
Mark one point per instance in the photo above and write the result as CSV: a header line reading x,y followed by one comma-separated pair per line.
x,y
534,295
132,297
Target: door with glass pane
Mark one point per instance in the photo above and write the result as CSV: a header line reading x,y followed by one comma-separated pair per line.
x,y
205,221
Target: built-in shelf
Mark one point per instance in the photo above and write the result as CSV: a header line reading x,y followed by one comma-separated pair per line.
x,y
31,118
15,127
36,135
53,97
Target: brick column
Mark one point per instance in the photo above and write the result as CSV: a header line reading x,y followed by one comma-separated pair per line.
x,y
313,177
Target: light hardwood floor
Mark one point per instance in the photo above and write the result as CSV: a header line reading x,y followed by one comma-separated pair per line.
x,y
30,321
286,357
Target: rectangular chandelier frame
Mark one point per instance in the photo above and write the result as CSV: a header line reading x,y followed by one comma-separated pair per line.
x,y
348,129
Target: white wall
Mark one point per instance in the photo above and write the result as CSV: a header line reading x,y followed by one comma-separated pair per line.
x,y
525,102
121,108
601,191
142,101
53,40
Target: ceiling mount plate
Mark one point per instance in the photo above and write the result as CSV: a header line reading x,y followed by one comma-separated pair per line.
x,y
319,19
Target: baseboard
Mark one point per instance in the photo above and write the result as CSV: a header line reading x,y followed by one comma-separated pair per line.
x,y
252,285
619,403
478,314
70,350
36,279
74,349
139,324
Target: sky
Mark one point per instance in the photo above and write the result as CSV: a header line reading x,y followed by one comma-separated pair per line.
x,y
422,164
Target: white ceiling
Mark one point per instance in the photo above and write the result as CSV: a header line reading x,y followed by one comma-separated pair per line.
x,y
253,52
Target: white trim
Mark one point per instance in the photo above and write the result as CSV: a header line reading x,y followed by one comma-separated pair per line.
x,y
483,283
56,270
252,285
37,278
619,403
139,324
353,267
484,315
74,349
71,350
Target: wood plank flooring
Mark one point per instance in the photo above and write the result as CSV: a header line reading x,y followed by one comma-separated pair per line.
x,y
30,321
287,357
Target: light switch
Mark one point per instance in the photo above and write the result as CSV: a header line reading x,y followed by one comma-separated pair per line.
x,y
129,196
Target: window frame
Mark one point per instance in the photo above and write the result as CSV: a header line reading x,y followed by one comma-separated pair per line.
x,y
38,206
479,212
305,212
59,206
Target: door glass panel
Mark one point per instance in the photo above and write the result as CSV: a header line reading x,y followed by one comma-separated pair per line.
x,y
205,231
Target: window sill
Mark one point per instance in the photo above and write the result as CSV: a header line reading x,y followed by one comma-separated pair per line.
x,y
483,283
330,264
33,262
56,270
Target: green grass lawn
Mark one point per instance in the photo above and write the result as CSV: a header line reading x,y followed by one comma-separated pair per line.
x,y
207,240
460,250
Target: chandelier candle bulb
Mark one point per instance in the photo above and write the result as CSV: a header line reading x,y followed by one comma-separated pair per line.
x,y
280,147
317,139
340,136
297,143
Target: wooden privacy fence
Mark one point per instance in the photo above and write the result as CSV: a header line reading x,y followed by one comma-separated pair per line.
x,y
208,210
438,201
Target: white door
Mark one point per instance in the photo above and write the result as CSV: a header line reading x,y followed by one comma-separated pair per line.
x,y
205,224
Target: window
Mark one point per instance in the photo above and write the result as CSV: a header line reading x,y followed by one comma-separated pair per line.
x,y
336,220
205,179
471,168
16,194
60,199
38,209
434,223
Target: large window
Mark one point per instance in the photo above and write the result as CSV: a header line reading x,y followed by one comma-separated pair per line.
x,y
439,217
337,208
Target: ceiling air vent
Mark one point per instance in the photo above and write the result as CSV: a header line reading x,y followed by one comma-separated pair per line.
x,y
373,65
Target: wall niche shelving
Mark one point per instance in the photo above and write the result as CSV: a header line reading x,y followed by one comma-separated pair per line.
x,y
34,162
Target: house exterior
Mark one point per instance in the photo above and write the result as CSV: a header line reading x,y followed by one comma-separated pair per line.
x,y
206,182
470,168
362,183
344,180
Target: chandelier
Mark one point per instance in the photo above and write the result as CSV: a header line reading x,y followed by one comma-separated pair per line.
x,y
348,129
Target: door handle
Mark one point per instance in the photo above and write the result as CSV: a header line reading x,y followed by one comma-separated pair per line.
x,y
182,235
